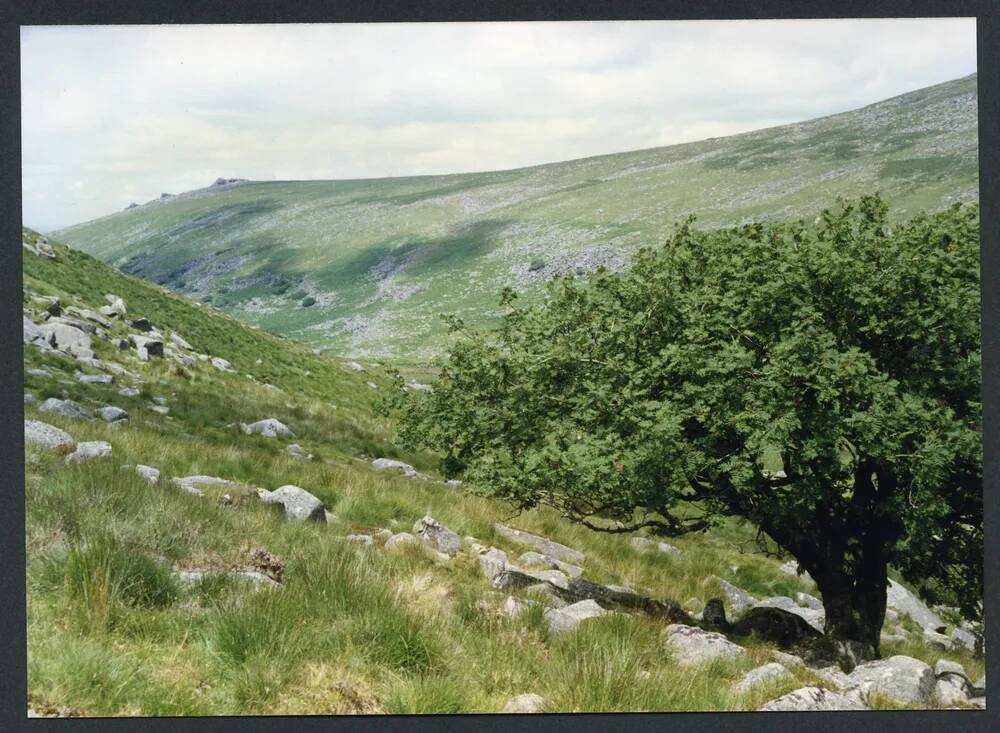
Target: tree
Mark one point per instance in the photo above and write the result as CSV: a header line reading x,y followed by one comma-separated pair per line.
x,y
821,381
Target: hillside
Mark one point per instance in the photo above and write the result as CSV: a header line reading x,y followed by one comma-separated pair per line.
x,y
153,596
365,267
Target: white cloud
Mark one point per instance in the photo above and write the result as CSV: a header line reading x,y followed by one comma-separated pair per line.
x,y
114,114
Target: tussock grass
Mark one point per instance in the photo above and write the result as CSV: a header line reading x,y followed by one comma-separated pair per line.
x,y
351,629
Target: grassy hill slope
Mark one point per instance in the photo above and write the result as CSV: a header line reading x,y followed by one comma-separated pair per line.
x,y
366,266
350,628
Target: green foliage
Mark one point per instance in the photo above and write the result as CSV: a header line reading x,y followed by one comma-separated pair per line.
x,y
848,349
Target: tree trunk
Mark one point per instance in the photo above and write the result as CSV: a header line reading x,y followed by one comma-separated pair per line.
x,y
855,606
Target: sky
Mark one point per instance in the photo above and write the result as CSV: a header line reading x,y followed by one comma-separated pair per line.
x,y
116,114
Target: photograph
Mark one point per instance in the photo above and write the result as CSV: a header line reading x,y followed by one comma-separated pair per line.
x,y
502,367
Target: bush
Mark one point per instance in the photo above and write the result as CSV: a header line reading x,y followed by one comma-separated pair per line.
x,y
308,301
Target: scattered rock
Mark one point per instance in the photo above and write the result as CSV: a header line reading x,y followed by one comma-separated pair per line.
x,y
297,451
904,679
65,408
354,366
221,364
962,640
141,324
545,594
299,504
255,578
714,614
148,347
160,409
363,539
737,598
804,599
936,640
569,617
904,601
269,428
760,675
42,373
640,543
537,558
513,607
525,704
89,315
696,646
29,399
116,304
176,339
788,660
89,451
492,562
388,464
792,568
437,535
669,549
35,334
546,546
812,698
190,484
953,685
128,392
112,414
148,473
43,435
399,540
69,338
776,625
813,617
418,387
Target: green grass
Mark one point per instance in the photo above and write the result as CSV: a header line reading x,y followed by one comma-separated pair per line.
x,y
456,240
351,629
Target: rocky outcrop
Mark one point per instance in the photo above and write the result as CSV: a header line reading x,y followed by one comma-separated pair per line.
x,y
299,505
543,545
692,645
43,435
